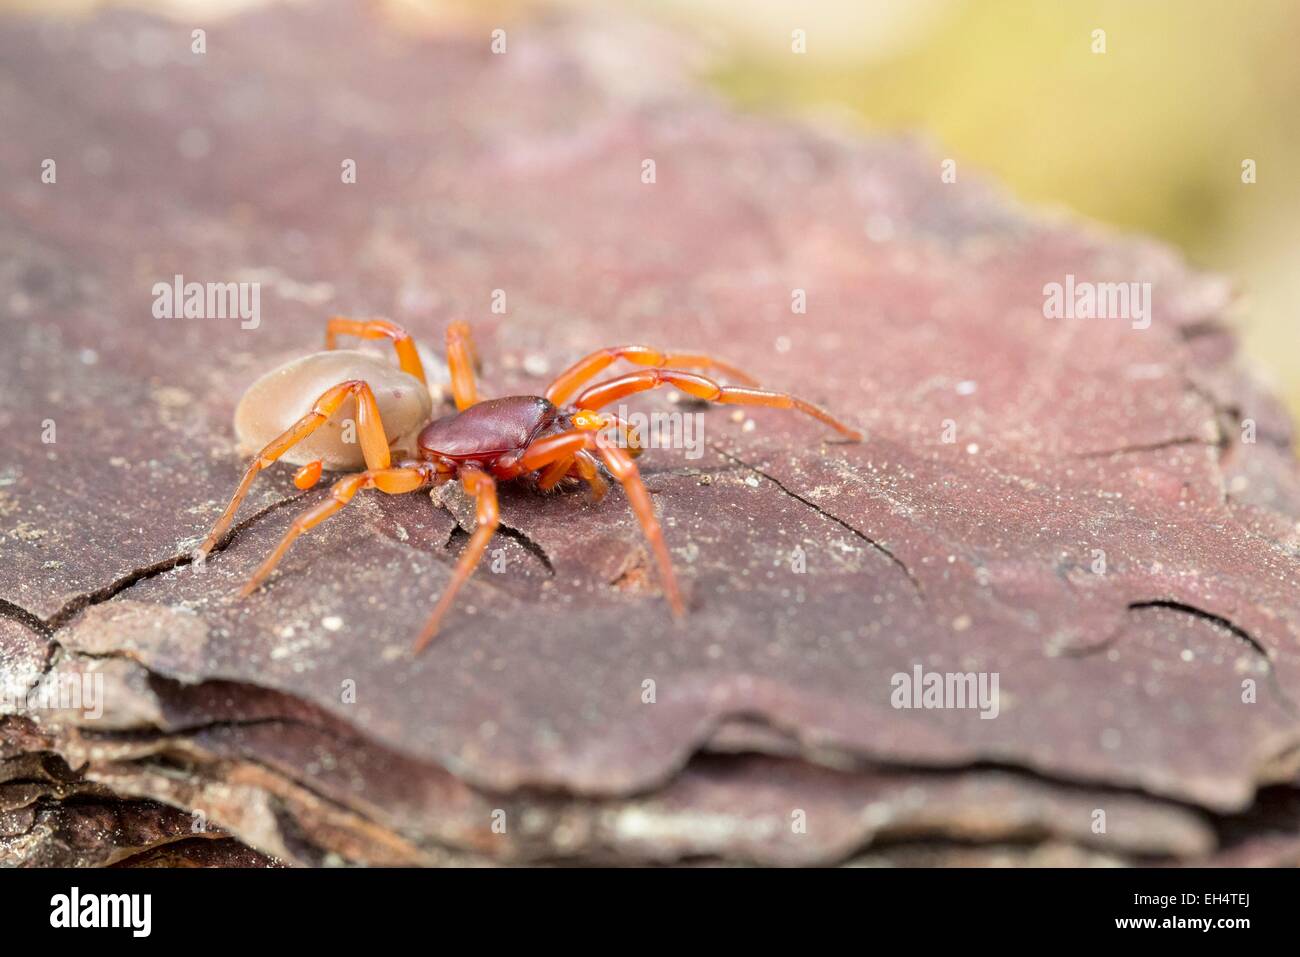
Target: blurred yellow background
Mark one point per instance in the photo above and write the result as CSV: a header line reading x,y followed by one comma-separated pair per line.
x,y
1148,136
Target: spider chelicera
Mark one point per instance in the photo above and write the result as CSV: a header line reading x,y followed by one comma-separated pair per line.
x,y
542,438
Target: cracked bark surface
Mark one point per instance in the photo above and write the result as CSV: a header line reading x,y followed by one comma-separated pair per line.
x,y
1120,691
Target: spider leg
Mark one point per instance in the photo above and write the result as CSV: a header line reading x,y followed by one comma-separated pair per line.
x,y
631,438
555,456
484,489
554,473
611,390
588,471
407,355
461,360
563,445
567,382
581,465
560,447
370,431
393,481
624,469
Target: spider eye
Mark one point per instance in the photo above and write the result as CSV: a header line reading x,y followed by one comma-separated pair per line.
x,y
589,421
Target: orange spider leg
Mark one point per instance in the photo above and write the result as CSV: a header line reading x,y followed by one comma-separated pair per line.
x,y
561,447
484,489
408,357
589,472
461,360
393,481
631,437
589,420
370,430
566,444
624,469
583,465
701,387
553,473
583,462
567,382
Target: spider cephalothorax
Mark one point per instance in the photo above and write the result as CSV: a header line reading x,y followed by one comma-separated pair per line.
x,y
544,438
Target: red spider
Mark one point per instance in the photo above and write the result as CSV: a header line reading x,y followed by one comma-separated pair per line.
x,y
543,438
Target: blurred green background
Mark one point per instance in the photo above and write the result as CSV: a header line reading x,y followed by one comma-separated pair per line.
x,y
1149,136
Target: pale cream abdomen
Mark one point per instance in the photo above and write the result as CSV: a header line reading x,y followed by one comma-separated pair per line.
x,y
281,397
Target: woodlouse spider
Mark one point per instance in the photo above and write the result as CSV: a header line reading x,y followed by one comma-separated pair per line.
x,y
544,439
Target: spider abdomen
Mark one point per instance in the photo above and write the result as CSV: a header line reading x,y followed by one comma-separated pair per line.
x,y
488,429
278,399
